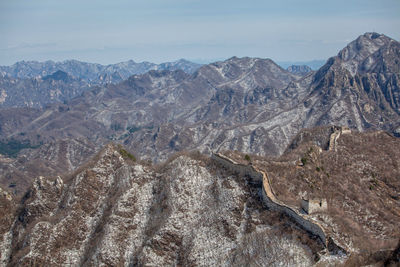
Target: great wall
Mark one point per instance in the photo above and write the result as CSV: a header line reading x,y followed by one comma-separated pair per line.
x,y
335,136
305,221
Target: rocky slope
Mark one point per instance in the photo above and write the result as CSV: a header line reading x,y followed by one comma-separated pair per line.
x,y
115,212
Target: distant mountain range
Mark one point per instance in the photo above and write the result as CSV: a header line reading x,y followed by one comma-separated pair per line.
x,y
36,84
91,72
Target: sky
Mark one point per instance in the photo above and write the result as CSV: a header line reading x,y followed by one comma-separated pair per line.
x,y
106,32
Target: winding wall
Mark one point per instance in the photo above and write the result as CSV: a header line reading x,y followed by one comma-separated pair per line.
x,y
269,198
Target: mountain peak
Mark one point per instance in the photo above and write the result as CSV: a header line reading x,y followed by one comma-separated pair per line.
x,y
365,45
360,54
373,35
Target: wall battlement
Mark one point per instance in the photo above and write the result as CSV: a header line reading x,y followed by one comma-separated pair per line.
x,y
305,221
314,205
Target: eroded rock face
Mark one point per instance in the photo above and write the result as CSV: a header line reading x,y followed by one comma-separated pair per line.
x,y
117,213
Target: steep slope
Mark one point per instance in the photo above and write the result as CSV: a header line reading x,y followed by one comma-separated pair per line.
x,y
186,212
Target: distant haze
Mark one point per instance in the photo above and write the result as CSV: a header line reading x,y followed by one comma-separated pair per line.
x,y
202,31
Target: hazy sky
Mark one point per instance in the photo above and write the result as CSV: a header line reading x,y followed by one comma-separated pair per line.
x,y
110,31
